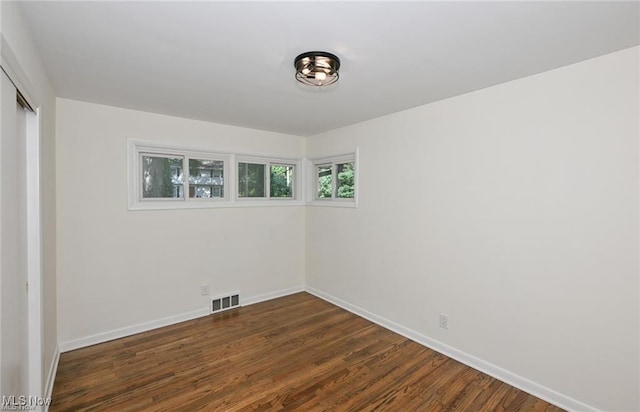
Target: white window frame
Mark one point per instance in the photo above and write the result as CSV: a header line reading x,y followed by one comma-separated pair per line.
x,y
140,173
268,162
225,177
312,181
138,147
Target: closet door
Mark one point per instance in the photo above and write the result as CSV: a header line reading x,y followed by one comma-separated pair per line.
x,y
14,344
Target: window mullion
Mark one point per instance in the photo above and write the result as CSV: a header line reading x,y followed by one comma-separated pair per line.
x,y
334,181
140,178
246,179
185,178
267,178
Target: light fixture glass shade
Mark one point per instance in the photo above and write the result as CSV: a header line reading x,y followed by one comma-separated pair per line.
x,y
317,68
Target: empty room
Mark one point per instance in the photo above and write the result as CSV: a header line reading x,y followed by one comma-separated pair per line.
x,y
314,206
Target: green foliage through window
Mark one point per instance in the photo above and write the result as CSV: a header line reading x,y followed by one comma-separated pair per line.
x,y
165,177
345,180
325,181
251,180
281,181
162,177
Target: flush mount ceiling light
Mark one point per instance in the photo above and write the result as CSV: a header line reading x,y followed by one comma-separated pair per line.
x,y
317,68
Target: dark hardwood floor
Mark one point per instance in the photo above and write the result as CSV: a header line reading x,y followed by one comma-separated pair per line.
x,y
293,353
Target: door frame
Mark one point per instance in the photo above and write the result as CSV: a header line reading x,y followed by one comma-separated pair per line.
x,y
34,254
17,75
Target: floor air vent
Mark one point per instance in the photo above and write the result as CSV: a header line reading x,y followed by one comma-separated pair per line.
x,y
223,303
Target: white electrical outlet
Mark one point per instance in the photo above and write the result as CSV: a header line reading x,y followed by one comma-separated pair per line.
x,y
204,290
444,321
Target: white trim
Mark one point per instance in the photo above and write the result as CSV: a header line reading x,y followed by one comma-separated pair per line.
x,y
533,388
332,203
136,147
34,251
312,180
268,162
342,158
11,66
167,321
131,330
169,148
271,295
490,369
51,377
203,204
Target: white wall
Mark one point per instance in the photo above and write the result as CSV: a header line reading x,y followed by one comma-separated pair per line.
x,y
119,268
22,47
513,210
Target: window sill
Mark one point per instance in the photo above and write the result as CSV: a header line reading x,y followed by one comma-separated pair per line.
x,y
332,203
168,205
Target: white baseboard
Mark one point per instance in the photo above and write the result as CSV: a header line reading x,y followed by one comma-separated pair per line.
x,y
131,330
490,369
159,323
51,377
510,378
271,295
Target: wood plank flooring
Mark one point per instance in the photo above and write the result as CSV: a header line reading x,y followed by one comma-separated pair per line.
x,y
293,353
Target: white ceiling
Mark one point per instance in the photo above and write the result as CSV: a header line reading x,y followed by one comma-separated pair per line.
x,y
232,62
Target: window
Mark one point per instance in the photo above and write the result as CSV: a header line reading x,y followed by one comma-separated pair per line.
x,y
281,179
335,179
266,179
206,178
325,181
162,176
251,180
345,174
